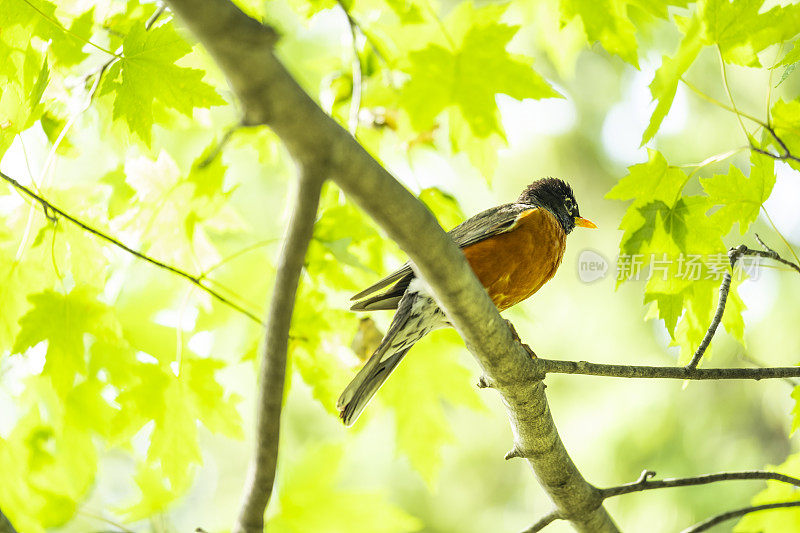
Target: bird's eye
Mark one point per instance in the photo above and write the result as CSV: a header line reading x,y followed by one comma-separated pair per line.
x,y
568,205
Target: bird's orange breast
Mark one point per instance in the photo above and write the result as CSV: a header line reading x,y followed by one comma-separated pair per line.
x,y
515,264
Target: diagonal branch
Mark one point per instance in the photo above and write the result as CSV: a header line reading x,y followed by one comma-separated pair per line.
x,y
734,254
243,49
50,211
272,373
714,520
5,524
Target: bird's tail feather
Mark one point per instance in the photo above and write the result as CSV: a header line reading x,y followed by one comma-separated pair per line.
x,y
369,379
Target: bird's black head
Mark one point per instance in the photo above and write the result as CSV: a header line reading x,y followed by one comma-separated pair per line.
x,y
557,197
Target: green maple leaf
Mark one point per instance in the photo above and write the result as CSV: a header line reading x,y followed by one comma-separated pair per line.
x,y
207,176
790,62
67,46
469,78
664,229
741,197
156,493
605,21
57,463
408,11
175,404
780,520
62,321
669,307
653,181
430,374
314,326
443,205
668,75
698,305
741,31
213,406
658,8
311,484
147,74
38,18
654,187
786,122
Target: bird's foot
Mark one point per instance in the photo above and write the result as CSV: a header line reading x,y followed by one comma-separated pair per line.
x,y
529,350
514,333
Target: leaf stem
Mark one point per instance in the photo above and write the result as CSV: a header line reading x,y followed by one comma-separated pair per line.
x,y
722,105
441,25
355,96
728,92
778,232
68,31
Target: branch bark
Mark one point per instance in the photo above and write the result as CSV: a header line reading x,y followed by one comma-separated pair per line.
x,y
645,481
272,373
243,49
5,524
555,366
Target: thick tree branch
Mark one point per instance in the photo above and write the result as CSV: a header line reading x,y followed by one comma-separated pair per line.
x,y
555,366
269,95
713,521
734,254
5,524
272,374
52,213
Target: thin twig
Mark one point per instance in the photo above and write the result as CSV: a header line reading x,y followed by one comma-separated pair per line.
x,y
219,146
780,234
728,91
713,521
67,30
196,280
645,481
355,97
786,153
155,16
734,254
722,105
744,356
272,373
544,521
555,366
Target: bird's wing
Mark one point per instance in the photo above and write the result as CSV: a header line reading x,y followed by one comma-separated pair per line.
x,y
486,224
489,223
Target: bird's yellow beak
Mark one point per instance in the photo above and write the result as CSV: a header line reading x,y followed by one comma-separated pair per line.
x,y
582,222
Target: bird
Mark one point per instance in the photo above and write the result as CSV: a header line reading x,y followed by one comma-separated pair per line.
x,y
513,249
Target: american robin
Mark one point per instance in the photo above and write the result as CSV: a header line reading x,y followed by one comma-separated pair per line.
x,y
513,249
